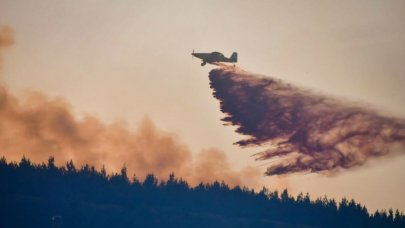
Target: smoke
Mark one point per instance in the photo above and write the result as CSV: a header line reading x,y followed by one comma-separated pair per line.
x,y
6,40
38,126
6,37
304,131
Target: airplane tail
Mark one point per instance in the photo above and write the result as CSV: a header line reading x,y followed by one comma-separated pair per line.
x,y
234,57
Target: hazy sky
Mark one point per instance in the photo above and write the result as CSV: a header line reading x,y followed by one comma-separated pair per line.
x,y
123,60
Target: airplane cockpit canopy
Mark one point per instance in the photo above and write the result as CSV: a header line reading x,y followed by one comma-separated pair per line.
x,y
218,54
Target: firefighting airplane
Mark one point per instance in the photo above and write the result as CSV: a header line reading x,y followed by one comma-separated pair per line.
x,y
215,57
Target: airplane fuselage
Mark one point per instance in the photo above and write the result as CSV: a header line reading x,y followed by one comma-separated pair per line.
x,y
215,57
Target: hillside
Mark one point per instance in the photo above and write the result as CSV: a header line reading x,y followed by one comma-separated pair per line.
x,y
44,195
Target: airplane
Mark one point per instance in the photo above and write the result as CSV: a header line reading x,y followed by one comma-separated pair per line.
x,y
215,57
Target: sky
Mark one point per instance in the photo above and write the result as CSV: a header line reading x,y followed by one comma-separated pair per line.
x,y
127,60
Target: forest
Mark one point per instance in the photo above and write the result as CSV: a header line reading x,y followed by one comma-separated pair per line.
x,y
45,195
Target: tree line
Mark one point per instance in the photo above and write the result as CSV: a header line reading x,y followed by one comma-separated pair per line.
x,y
44,195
